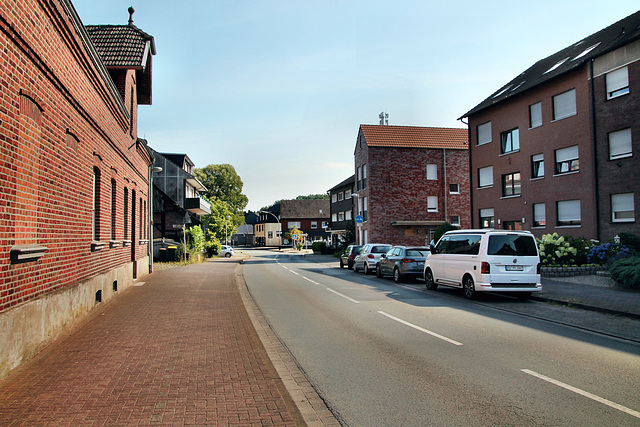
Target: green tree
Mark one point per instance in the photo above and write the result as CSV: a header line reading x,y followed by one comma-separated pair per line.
x,y
322,196
224,184
221,221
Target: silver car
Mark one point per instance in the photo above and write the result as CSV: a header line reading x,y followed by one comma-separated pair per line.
x,y
403,262
367,259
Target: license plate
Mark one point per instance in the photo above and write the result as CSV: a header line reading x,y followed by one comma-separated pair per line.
x,y
514,268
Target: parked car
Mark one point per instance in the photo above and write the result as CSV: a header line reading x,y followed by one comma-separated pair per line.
x,y
403,262
226,251
368,257
348,255
485,260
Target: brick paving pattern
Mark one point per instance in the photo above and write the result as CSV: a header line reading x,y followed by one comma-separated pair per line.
x,y
177,350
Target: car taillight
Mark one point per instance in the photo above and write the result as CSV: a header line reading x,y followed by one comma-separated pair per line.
x,y
408,260
539,269
351,256
370,256
485,268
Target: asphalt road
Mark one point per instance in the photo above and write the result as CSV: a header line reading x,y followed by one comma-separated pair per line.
x,y
384,354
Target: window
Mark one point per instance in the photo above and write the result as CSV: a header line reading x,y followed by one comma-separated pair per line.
x,y
484,133
432,204
617,83
455,220
126,214
535,115
114,195
622,208
334,217
569,212
294,224
537,166
564,105
510,141
486,218
348,215
620,144
539,215
359,181
511,184
364,208
314,224
347,194
485,177
340,216
432,172
340,196
325,224
270,234
567,160
96,205
454,188
334,198
364,176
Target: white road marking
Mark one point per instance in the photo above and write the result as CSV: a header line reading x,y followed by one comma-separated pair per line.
x,y
584,393
426,331
312,281
295,272
343,296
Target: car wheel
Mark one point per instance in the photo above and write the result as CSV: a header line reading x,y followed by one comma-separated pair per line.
x,y
227,255
428,278
366,268
379,271
468,287
341,264
397,277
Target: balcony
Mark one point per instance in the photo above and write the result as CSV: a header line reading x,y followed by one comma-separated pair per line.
x,y
197,205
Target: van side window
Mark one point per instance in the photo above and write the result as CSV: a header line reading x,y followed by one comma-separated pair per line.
x,y
464,244
441,248
514,245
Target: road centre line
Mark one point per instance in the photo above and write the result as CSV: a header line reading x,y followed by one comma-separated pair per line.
x,y
309,280
583,393
343,296
426,331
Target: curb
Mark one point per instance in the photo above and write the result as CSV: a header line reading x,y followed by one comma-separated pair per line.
x,y
585,307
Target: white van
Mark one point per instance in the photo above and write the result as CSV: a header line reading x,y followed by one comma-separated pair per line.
x,y
485,260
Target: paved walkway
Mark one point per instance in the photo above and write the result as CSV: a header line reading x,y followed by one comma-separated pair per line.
x,y
176,349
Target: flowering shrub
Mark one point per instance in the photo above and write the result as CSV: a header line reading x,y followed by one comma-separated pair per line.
x,y
607,253
556,250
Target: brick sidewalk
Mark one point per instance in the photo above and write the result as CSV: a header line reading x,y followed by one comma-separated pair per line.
x,y
179,349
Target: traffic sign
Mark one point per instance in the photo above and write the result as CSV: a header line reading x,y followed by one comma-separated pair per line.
x,y
359,219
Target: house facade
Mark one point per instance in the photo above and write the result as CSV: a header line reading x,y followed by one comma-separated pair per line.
x,y
553,150
177,202
341,209
267,228
311,216
75,186
409,180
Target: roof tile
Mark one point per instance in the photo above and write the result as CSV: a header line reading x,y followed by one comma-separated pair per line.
x,y
415,137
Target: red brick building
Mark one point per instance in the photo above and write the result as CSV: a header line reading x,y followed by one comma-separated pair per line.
x,y
408,181
553,150
74,177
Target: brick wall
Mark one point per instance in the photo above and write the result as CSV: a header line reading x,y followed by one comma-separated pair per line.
x,y
60,117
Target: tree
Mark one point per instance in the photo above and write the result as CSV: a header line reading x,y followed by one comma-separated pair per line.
x,y
323,196
222,222
223,183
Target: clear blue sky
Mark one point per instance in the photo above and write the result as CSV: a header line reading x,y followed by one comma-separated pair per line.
x,y
278,88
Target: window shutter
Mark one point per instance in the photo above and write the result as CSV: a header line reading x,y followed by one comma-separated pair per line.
x,y
432,172
564,105
535,111
569,210
566,154
617,80
539,213
485,176
486,212
619,143
622,203
484,133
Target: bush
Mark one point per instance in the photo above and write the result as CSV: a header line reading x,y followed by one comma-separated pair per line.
x,y
212,248
631,241
582,247
626,272
443,228
608,253
556,251
318,247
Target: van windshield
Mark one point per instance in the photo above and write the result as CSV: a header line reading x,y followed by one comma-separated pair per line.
x,y
512,245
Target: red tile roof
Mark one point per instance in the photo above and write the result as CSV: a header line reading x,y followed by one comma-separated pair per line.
x,y
122,45
415,137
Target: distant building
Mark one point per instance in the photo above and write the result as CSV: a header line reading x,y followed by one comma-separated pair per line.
x,y
311,216
245,236
267,228
409,180
342,208
555,149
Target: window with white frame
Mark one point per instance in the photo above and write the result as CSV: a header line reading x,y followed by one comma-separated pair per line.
x,y
620,144
334,217
340,216
347,194
539,215
455,220
535,115
622,208
537,166
564,105
325,224
432,204
567,160
432,172
486,218
334,198
359,179
364,176
511,185
314,224
510,141
454,188
485,177
340,196
294,224
617,83
365,208
484,133
568,212
348,215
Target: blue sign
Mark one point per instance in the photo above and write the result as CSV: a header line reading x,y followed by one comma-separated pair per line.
x,y
359,219
294,237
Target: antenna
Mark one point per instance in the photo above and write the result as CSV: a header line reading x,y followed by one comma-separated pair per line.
x,y
384,118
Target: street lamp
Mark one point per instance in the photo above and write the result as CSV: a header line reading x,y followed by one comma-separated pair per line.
x,y
279,226
226,218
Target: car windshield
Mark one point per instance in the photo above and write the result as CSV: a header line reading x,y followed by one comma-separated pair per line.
x,y
380,249
512,245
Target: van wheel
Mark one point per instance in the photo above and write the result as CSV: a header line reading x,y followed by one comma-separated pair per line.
x,y
379,272
396,275
468,287
366,268
428,278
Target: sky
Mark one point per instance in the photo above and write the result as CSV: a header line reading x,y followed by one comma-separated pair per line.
x,y
278,89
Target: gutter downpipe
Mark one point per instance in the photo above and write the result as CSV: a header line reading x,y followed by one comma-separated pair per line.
x,y
470,174
594,140
446,200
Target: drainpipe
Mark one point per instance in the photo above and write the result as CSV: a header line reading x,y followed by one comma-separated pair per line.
x,y
470,174
594,150
446,200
